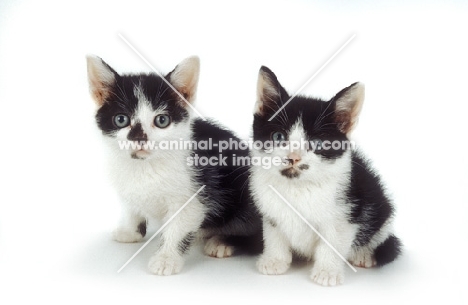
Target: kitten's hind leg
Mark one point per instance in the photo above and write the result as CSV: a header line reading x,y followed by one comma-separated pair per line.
x,y
132,228
216,246
362,257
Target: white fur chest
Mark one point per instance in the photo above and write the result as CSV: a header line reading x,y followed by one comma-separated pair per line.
x,y
152,187
320,205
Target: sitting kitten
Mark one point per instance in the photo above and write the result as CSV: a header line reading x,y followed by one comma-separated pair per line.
x,y
154,184
334,189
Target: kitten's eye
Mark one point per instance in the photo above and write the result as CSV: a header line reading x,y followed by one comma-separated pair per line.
x,y
278,136
162,120
121,120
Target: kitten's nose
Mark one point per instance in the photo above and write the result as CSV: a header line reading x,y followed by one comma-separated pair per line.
x,y
293,158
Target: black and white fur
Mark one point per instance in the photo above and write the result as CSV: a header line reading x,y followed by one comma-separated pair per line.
x,y
154,184
336,190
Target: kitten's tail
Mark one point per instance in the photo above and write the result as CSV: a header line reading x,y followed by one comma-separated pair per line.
x,y
388,251
251,245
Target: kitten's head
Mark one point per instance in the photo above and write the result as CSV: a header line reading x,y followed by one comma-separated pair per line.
x,y
143,108
305,133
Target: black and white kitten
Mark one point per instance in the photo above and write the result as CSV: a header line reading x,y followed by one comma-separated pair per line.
x,y
155,183
330,185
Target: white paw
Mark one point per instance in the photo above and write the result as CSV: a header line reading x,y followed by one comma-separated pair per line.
x,y
216,248
272,266
327,277
363,257
125,236
165,265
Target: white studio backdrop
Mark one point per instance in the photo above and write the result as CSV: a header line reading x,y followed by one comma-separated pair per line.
x,y
57,208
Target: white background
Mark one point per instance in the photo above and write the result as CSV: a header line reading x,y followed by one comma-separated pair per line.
x,y
56,205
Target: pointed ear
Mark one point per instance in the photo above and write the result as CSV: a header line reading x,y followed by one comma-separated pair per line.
x,y
184,78
268,92
101,78
348,104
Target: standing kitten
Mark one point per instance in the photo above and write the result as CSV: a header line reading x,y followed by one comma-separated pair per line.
x,y
155,183
331,186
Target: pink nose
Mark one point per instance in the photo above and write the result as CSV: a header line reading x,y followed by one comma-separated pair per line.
x,y
293,158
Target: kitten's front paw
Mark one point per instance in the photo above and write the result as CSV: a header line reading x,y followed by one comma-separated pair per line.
x,y
125,236
272,266
215,247
327,277
165,265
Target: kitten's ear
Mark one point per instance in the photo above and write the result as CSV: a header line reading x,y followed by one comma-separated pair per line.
x,y
184,78
268,91
348,104
101,78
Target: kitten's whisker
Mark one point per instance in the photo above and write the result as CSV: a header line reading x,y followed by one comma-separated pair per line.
x,y
283,113
281,117
240,175
321,127
238,168
245,184
322,115
362,166
123,95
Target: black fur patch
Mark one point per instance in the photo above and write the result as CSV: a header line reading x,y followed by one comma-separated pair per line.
x,y
251,245
371,207
388,251
290,172
137,134
226,192
230,208
122,100
142,228
185,243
